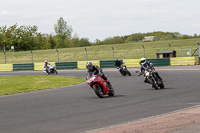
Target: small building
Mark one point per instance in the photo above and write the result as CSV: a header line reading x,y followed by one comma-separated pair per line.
x,y
166,54
148,38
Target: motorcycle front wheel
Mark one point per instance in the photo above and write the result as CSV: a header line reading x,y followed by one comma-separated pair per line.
x,y
55,72
154,84
112,92
161,85
98,91
129,74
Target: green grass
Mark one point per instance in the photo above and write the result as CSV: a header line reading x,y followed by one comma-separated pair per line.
x,y
18,84
101,52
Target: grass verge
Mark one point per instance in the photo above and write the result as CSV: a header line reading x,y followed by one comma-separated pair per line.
x,y
131,50
19,84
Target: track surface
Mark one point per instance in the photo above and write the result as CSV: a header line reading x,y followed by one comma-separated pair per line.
x,y
77,109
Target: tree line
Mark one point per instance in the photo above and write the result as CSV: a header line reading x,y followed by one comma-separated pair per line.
x,y
28,37
137,37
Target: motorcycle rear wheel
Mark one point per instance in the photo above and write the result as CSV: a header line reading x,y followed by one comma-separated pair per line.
x,y
98,91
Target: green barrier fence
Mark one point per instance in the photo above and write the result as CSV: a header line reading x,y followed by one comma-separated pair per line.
x,y
102,64
66,65
107,64
22,67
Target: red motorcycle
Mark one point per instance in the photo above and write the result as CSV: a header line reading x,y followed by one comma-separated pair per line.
x,y
99,86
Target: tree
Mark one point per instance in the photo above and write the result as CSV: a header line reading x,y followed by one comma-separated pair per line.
x,y
52,42
75,42
195,36
185,37
26,38
6,36
63,32
135,37
84,42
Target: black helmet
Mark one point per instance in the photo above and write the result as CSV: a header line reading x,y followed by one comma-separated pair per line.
x,y
116,60
89,65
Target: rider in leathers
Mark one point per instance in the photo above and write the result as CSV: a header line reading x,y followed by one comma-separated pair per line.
x,y
144,65
46,66
97,71
118,63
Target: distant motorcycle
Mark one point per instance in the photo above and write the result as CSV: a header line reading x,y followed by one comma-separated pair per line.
x,y
152,78
123,70
49,69
99,86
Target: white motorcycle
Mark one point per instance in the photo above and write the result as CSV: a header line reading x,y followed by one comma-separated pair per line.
x,y
49,69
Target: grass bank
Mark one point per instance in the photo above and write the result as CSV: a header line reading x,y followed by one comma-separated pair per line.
x,y
101,52
18,84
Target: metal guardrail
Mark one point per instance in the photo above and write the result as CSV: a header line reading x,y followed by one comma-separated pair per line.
x,y
102,64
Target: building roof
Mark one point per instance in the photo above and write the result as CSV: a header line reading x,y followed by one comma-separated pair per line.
x,y
166,51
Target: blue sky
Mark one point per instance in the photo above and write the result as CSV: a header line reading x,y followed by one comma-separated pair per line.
x,y
99,19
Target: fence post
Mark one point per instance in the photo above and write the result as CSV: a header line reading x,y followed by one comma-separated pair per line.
x,y
143,51
169,46
57,54
31,55
198,50
5,56
86,54
113,53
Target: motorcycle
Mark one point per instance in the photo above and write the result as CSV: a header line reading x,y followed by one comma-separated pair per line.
x,y
100,86
49,69
151,76
123,70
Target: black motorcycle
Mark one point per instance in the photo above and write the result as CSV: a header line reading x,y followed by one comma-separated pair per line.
x,y
157,83
152,77
123,70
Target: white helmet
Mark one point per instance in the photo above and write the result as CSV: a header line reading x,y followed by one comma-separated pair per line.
x,y
142,61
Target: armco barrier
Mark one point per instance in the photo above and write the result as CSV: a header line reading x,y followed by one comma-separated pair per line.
x,y
182,61
160,61
102,64
132,62
66,65
107,64
38,66
21,67
6,67
81,64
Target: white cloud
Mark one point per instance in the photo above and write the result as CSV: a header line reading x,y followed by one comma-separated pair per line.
x,y
4,13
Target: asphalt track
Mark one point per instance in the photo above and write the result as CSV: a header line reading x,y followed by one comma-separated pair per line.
x,y
76,109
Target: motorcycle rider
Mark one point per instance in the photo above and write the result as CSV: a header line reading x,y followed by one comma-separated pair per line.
x,y
97,71
46,66
144,65
118,63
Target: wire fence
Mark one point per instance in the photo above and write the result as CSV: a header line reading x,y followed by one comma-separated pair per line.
x,y
103,52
